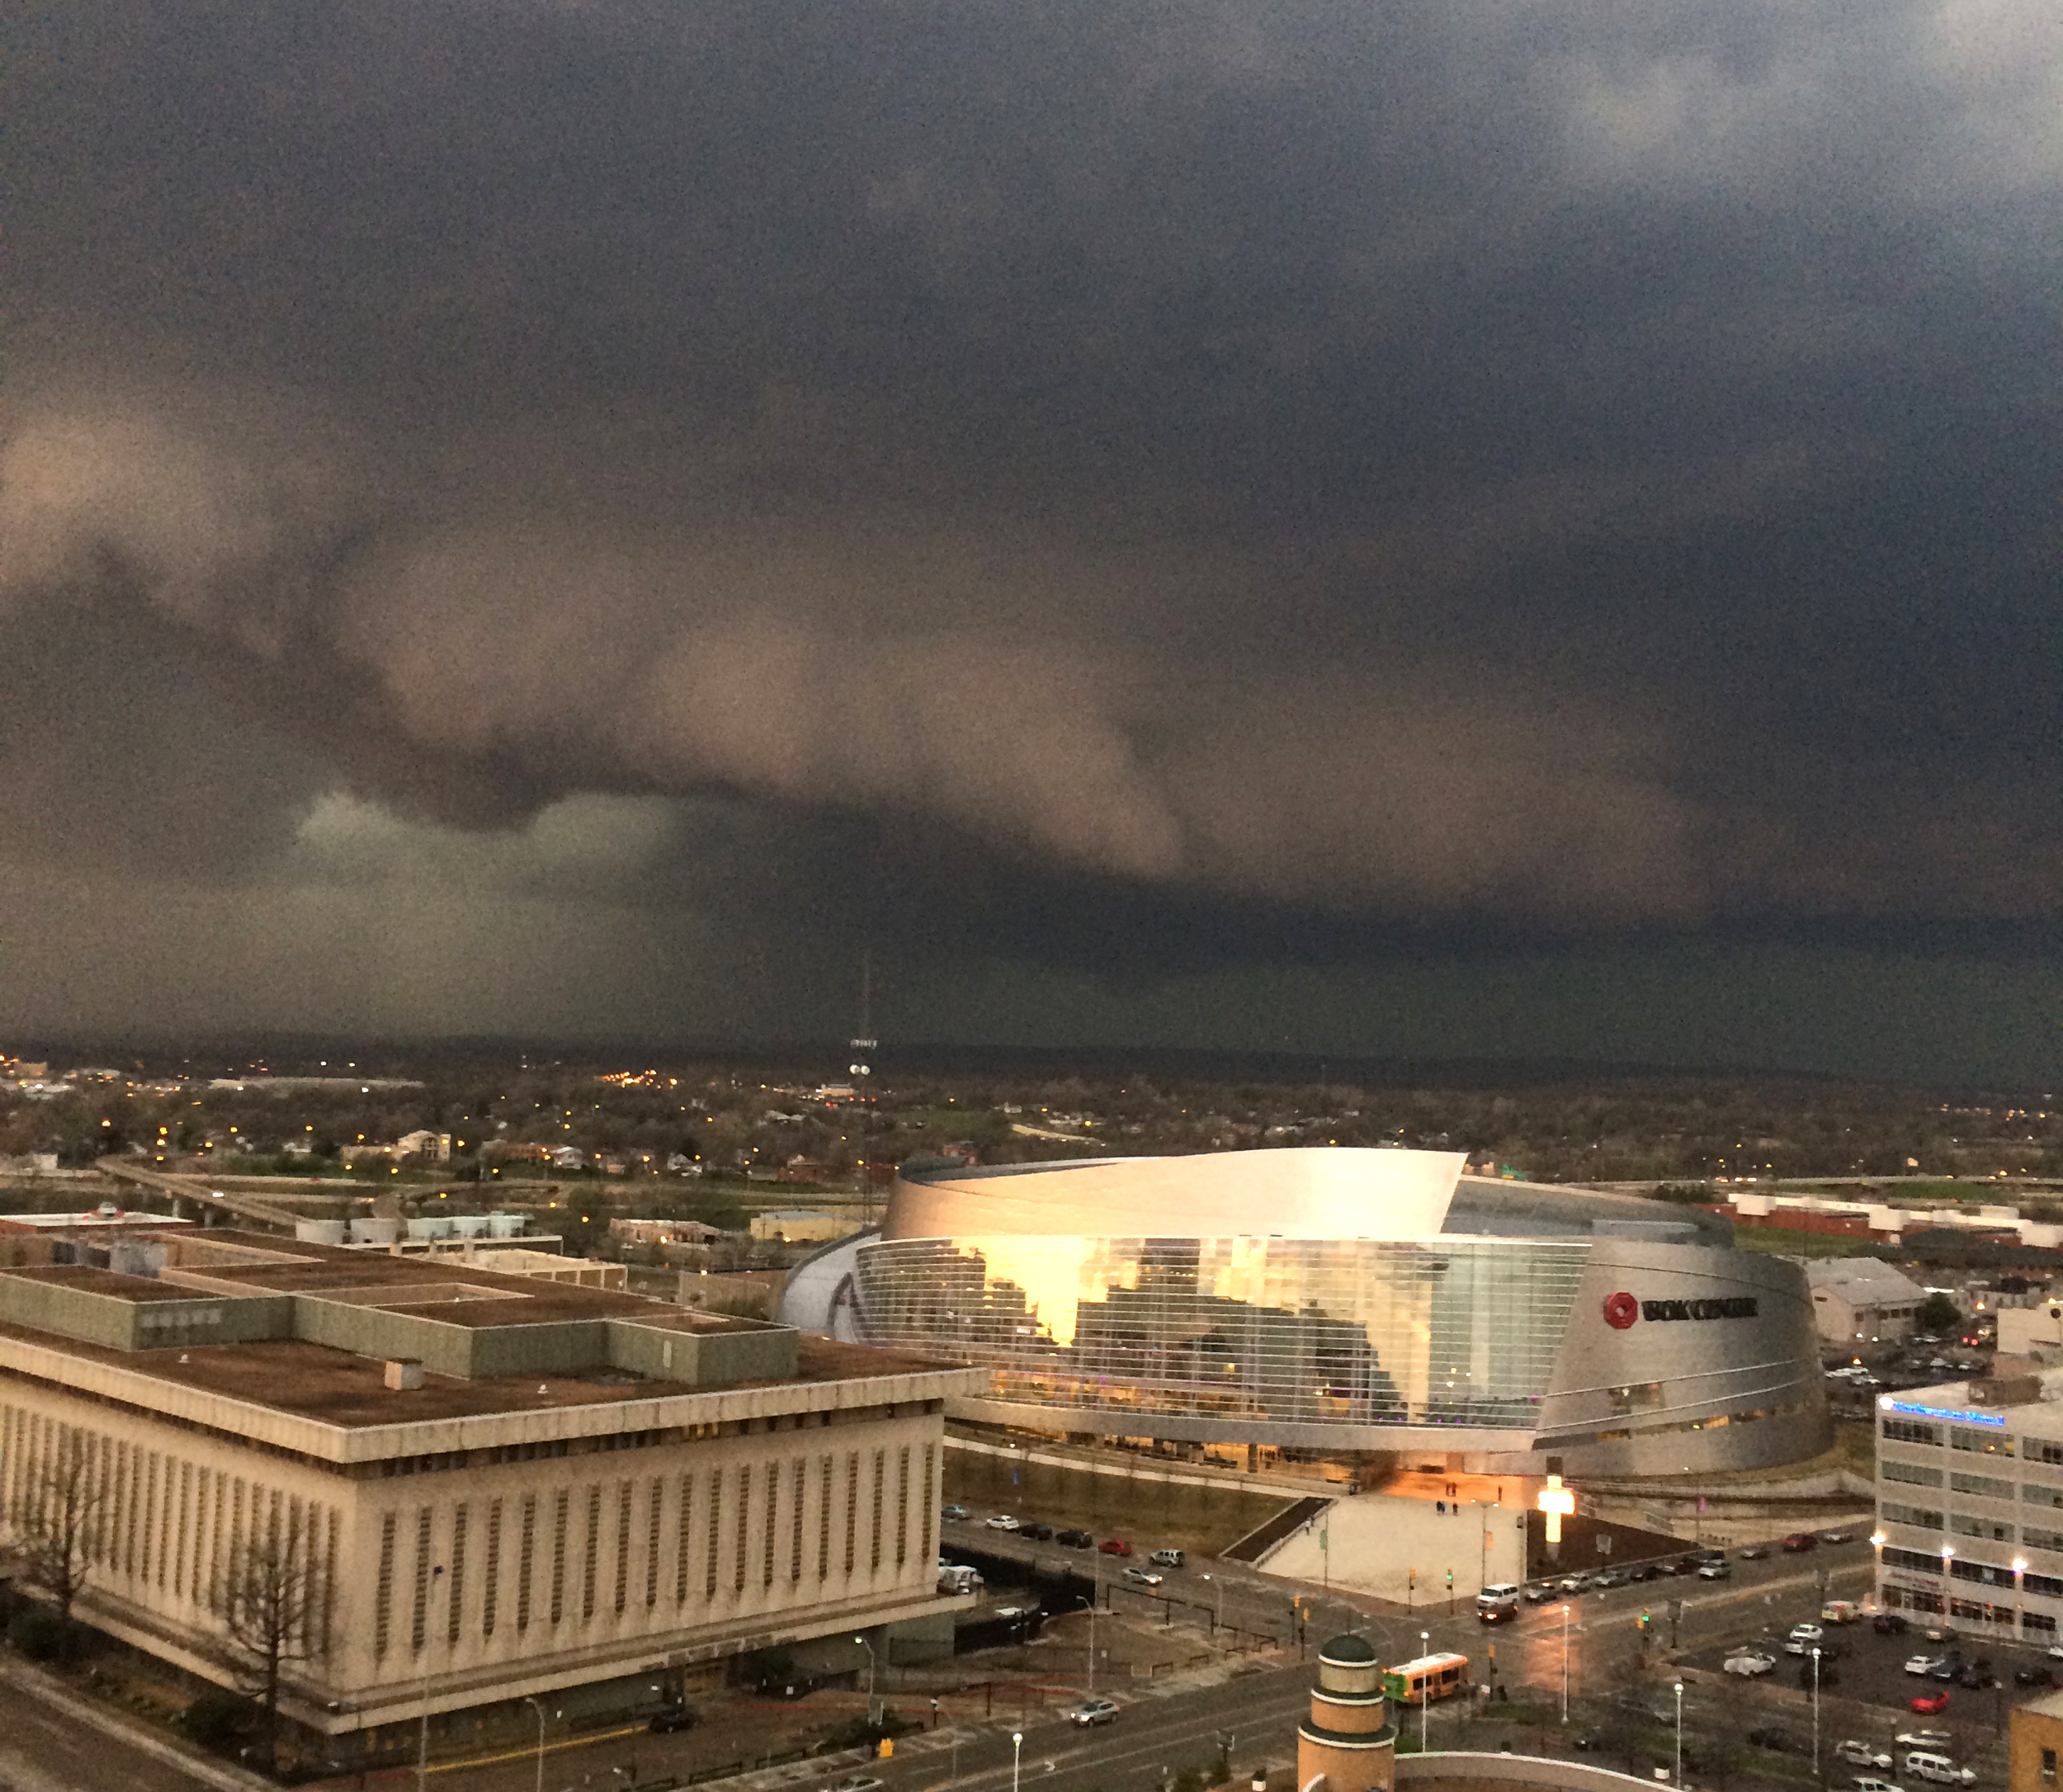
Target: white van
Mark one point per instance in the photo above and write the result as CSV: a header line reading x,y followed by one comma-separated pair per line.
x,y
1497,1603
954,1578
1924,1764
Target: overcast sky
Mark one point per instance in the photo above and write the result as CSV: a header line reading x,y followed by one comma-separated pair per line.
x,y
1465,529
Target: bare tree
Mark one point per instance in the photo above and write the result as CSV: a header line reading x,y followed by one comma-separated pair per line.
x,y
273,1612
56,1518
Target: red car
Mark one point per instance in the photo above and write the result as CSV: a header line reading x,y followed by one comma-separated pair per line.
x,y
1800,1539
1931,1702
1115,1546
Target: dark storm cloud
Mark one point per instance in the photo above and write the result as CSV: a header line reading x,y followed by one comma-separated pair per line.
x,y
1207,480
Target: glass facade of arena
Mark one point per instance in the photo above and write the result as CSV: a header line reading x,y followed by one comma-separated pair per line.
x,y
1352,1331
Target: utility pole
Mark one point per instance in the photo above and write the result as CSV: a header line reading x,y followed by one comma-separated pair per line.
x,y
1565,1661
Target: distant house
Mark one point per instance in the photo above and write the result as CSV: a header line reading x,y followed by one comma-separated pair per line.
x,y
802,1169
569,1157
679,1163
437,1147
1860,1300
302,1147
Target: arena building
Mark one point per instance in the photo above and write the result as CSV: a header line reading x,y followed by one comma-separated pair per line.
x,y
1341,1303
468,1488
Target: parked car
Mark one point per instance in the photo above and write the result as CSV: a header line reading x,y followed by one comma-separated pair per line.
x,y
1716,1570
1919,1664
1036,1533
669,1719
1840,1612
1169,1559
1115,1546
1936,1768
1938,1740
1144,1577
1749,1663
1802,1638
1004,1521
1837,1536
1074,1539
1867,1782
1861,1754
1928,1703
1888,1624
2032,1676
1977,1676
1538,1594
955,1513
1092,1711
1755,1553
1800,1539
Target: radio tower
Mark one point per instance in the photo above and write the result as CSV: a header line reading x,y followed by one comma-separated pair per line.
x,y
861,1068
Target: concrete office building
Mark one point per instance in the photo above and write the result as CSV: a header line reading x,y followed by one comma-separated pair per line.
x,y
1969,1504
1346,1303
500,1487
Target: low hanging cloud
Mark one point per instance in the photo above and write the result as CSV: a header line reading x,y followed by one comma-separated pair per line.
x,y
768,669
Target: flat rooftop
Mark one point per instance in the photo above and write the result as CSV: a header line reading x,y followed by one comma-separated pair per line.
x,y
339,1388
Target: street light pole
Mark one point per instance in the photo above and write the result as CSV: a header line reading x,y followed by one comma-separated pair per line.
x,y
1679,1735
1565,1661
1017,1755
869,1648
1815,1714
429,1654
1425,1689
540,1711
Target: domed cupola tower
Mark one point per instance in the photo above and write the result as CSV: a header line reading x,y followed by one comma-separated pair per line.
x,y
1348,1743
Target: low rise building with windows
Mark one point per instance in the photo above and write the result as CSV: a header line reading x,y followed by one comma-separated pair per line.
x,y
484,1487
1969,1504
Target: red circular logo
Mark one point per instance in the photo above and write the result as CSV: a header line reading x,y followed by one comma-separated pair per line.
x,y
1621,1310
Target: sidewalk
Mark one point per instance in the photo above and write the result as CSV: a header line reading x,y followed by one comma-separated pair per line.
x,y
27,1681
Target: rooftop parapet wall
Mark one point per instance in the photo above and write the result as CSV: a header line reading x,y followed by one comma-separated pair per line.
x,y
468,1340
126,1313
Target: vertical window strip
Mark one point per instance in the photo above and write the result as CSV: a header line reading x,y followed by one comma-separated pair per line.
x,y
656,1497
880,1493
560,1503
590,1551
216,1565
419,1630
773,1524
824,1517
931,1500
623,1545
798,1477
902,1505
715,1531
458,1577
330,1583
681,1536
851,1506
383,1588
125,1491
744,1527
182,1534
166,1474
525,1559
233,1557
491,1572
